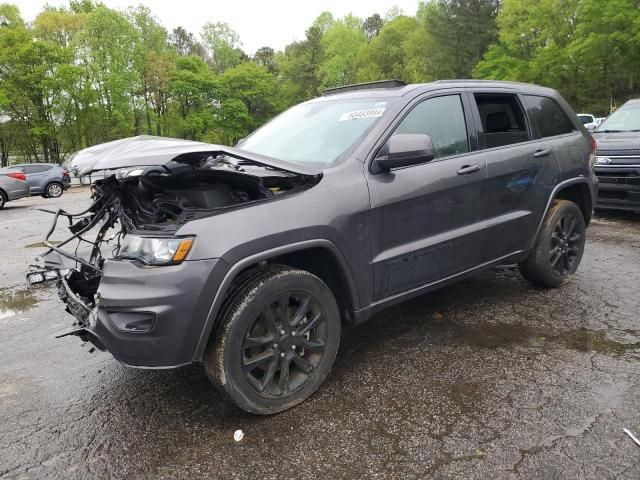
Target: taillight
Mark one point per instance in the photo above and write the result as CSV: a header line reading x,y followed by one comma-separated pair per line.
x,y
17,176
593,144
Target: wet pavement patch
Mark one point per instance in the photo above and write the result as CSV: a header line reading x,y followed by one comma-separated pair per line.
x,y
18,301
586,340
495,336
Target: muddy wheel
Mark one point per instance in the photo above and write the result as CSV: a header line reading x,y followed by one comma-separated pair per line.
x,y
277,342
558,248
54,190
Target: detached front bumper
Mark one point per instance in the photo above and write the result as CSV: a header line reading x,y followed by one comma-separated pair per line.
x,y
152,317
619,187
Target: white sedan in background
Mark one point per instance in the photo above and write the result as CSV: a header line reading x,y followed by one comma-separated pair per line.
x,y
588,120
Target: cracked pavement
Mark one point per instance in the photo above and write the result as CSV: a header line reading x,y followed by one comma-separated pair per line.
x,y
488,378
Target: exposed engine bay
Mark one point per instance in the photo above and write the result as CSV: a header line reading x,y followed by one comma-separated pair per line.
x,y
151,200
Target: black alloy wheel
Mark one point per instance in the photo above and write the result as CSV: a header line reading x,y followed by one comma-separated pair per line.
x,y
277,340
284,344
566,245
558,248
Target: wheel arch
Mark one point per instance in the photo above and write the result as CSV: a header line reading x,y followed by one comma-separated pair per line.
x,y
577,190
580,194
49,182
320,257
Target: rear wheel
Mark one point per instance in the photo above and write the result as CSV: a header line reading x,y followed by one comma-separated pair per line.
x,y
558,248
54,190
277,342
3,200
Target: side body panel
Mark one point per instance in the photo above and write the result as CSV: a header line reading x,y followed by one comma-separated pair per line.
x,y
424,220
520,177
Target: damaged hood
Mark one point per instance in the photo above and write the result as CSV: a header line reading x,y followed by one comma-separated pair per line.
x,y
146,150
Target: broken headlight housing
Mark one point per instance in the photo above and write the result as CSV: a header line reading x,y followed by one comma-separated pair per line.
x,y
155,250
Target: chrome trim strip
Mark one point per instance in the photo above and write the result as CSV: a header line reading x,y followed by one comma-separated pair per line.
x,y
618,165
425,286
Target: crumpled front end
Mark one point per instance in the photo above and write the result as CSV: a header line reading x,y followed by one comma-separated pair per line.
x,y
125,274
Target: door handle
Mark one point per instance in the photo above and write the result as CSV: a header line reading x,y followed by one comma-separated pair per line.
x,y
541,153
467,169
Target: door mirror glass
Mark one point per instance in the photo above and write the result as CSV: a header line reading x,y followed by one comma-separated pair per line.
x,y
404,149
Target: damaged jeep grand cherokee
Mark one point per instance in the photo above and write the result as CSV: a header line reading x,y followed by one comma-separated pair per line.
x,y
250,259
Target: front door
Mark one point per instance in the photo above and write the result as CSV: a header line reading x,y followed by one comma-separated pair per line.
x,y
425,219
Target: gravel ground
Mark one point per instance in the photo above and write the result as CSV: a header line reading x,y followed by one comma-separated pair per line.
x,y
488,378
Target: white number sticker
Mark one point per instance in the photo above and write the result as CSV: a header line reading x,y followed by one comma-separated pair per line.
x,y
368,113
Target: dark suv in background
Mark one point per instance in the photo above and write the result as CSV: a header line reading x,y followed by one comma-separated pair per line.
x,y
618,158
250,259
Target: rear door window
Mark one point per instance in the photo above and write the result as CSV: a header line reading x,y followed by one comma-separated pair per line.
x,y
502,118
550,119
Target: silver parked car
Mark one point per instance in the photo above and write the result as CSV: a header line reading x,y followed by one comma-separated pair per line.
x,y
46,179
13,185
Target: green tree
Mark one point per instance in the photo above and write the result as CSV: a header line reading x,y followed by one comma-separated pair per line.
x,y
224,45
391,54
185,44
459,32
256,88
195,94
372,26
266,58
341,44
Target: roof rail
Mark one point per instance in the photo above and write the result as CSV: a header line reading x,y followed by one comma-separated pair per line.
x,y
364,86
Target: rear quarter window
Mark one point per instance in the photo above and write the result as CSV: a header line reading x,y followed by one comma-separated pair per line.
x,y
548,116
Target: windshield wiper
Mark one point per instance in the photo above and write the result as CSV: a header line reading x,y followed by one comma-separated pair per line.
x,y
612,131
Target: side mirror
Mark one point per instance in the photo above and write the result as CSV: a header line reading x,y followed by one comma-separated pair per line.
x,y
404,149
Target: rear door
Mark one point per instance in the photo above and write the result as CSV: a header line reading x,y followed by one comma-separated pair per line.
x,y
519,169
36,176
424,218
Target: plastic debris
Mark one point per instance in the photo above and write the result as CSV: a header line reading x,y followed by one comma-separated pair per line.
x,y
238,435
632,436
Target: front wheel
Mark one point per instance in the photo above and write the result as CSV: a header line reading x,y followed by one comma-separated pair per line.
x,y
558,248
277,342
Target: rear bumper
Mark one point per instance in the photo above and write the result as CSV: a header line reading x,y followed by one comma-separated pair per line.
x,y
619,187
152,317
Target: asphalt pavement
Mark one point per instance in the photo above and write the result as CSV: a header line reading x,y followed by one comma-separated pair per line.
x,y
488,378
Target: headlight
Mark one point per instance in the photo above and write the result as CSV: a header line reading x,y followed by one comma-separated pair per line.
x,y
155,250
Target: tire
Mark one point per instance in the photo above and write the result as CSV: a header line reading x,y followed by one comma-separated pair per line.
x,y
54,190
276,320
559,247
3,199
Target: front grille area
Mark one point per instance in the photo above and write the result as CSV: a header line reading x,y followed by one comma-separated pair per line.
x,y
617,172
620,153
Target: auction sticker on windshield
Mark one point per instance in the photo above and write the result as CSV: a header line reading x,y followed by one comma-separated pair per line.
x,y
368,113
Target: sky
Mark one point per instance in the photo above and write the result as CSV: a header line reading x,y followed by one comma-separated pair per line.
x,y
273,23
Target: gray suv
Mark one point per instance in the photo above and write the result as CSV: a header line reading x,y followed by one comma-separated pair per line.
x,y
250,259
46,179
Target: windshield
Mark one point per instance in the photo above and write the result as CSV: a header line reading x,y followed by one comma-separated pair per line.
x,y
319,133
627,119
585,119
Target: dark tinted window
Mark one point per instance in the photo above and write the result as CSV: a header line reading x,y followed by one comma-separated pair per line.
x,y
35,168
503,120
442,118
549,117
